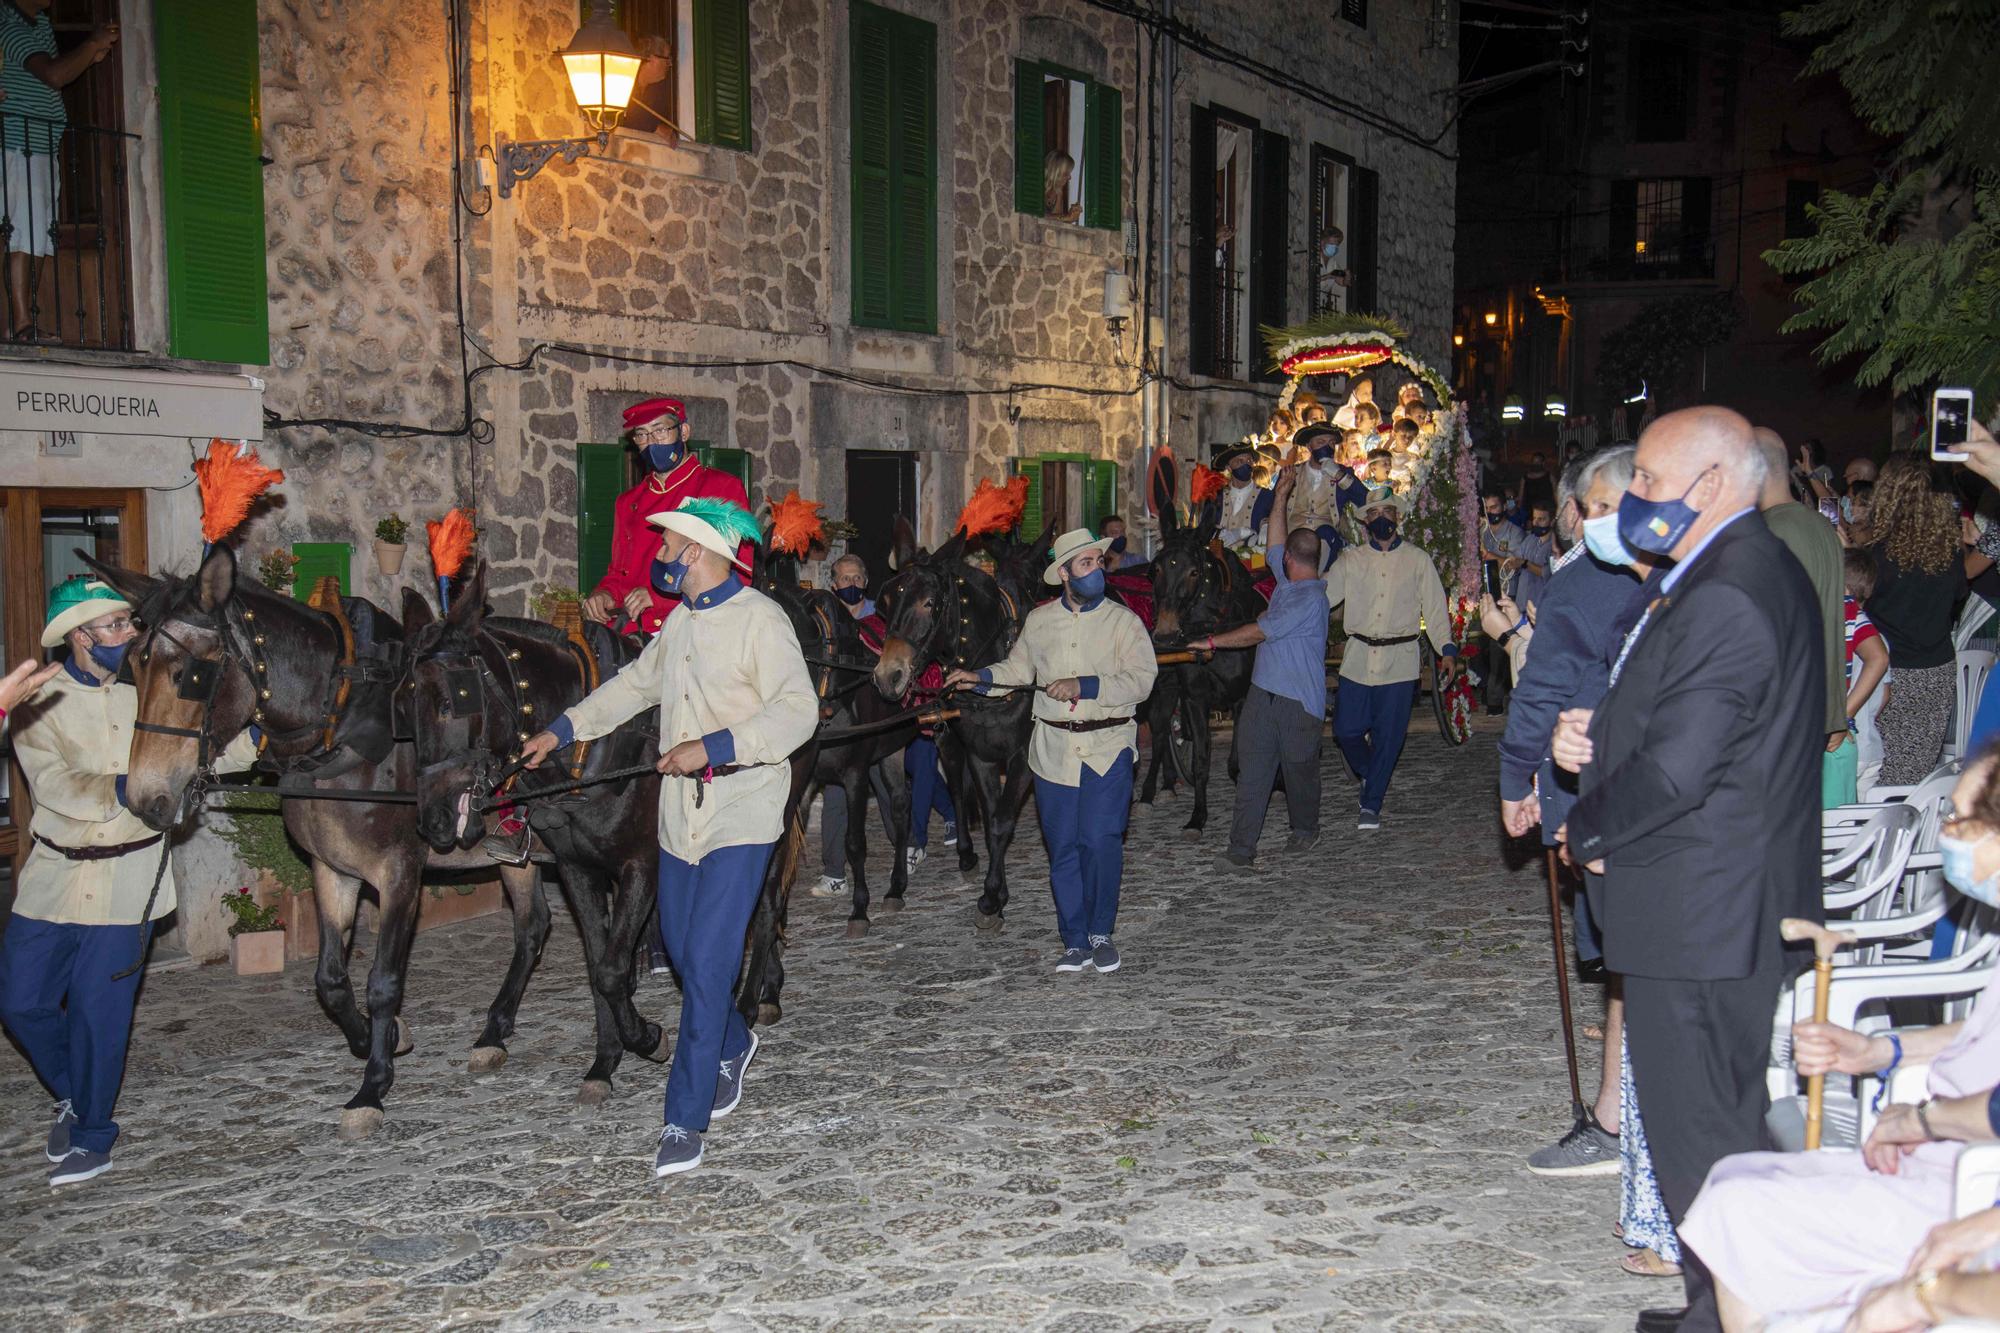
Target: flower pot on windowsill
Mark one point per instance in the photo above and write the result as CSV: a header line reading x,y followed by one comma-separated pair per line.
x,y
389,557
257,952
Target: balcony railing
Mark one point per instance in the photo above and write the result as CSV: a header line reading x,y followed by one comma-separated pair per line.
x,y
1228,323
67,280
1674,262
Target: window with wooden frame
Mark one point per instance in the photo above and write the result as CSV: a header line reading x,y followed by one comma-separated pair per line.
x,y
1239,242
892,96
695,82
1069,143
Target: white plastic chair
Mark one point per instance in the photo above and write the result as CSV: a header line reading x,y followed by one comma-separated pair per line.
x,y
1974,665
1975,1188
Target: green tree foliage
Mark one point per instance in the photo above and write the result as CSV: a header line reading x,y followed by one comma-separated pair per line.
x,y
1908,275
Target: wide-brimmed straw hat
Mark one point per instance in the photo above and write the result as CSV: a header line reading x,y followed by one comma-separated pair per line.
x,y
1067,548
1378,496
78,600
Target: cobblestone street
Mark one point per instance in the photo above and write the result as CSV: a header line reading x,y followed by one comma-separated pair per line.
x,y
1303,1104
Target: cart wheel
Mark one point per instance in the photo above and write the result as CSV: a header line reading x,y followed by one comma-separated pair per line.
x,y
1440,704
1180,737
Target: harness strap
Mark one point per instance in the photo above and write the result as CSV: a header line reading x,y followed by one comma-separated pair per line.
x,y
588,673
325,599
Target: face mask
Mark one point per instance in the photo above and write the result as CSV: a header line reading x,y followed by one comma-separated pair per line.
x,y
663,457
1657,525
667,576
1323,458
1847,507
1382,529
851,595
1600,534
1087,587
110,658
1330,250
1241,472
1494,516
1538,529
1117,546
1956,856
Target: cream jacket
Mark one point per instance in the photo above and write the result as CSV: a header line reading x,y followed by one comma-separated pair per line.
x,y
731,665
1386,592
74,741
1106,642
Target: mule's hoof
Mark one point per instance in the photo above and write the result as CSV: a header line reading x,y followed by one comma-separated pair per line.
x,y
359,1122
989,920
1190,834
768,1013
594,1092
857,930
892,905
486,1059
663,1050
406,1040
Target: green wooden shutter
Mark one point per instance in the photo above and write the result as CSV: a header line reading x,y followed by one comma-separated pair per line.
x,y
1104,144
1029,183
1030,526
868,154
913,239
736,462
212,181
600,480
722,73
316,561
1100,492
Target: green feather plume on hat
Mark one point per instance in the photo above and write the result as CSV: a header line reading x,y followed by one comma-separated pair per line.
x,y
732,520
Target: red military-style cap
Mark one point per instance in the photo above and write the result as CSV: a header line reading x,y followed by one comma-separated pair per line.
x,y
640,414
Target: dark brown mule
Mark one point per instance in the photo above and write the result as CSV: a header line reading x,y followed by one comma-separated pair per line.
x,y
277,663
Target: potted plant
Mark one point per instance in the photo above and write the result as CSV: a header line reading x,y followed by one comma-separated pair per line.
x,y
277,569
389,545
257,940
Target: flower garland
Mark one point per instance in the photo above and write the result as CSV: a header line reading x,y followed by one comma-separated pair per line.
x,y
1458,696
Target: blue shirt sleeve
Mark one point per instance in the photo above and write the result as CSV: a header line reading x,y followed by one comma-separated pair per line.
x,y
1274,556
1086,687
119,787
721,747
563,730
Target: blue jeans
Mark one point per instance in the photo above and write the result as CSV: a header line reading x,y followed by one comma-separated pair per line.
x,y
705,907
1083,828
1370,723
78,1047
928,791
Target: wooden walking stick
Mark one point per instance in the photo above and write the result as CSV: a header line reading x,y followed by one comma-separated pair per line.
x,y
1825,944
1562,988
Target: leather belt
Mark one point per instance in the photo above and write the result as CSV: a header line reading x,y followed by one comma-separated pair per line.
x,y
99,853
1095,724
1383,643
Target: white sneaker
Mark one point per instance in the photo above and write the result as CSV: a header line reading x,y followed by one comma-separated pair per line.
x,y
829,887
912,858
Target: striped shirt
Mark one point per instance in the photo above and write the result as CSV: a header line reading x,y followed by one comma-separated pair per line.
x,y
33,112
1859,629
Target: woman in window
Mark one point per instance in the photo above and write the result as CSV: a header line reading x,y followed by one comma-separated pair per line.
x,y
1057,170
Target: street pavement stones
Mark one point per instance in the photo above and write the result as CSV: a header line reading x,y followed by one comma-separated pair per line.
x,y
1302,1104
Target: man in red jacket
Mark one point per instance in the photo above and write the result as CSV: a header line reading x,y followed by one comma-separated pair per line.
x,y
625,595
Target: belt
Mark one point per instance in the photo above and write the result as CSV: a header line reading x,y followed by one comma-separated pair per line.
x,y
1096,724
99,853
1383,643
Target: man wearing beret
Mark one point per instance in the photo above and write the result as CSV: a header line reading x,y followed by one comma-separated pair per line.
x,y
658,430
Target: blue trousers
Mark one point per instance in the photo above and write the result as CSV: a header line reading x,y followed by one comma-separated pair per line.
x,y
705,907
1370,723
928,791
78,1047
1084,829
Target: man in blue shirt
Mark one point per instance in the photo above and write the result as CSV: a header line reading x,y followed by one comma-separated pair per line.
x,y
1285,711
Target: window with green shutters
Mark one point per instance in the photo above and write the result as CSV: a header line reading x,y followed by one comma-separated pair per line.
x,y
720,39
600,480
212,180
1100,493
1099,477
736,462
317,560
892,72
1096,146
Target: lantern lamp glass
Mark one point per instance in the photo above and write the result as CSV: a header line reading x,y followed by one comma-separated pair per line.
x,y
1458,340
1492,318
603,67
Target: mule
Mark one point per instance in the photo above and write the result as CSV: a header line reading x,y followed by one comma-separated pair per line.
x,y
216,655
1196,591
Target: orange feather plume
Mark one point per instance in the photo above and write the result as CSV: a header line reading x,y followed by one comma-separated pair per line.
x,y
1205,484
450,543
795,524
993,508
230,480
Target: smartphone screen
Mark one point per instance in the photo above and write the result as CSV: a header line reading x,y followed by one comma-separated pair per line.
x,y
1494,584
1951,410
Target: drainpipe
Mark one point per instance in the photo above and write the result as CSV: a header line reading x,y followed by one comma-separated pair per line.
x,y
1165,240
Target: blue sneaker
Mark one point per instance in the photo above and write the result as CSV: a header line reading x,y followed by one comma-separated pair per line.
x,y
729,1086
1073,960
680,1150
950,838
1104,954
79,1164
59,1132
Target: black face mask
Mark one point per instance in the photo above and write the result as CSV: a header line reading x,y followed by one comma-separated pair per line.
x,y
1240,473
1538,529
1382,528
1493,516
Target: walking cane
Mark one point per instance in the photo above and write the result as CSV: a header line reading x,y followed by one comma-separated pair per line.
x,y
1562,989
1825,942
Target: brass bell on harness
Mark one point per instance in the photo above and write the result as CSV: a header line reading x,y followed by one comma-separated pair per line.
x,y
263,694
514,656
527,710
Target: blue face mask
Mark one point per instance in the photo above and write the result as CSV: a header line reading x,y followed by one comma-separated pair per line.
x,y
1382,529
111,658
1657,525
851,595
667,576
1241,472
1956,856
1600,534
1117,546
664,457
1322,454
1087,587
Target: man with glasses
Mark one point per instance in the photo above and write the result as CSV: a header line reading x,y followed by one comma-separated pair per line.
x,y
80,913
626,596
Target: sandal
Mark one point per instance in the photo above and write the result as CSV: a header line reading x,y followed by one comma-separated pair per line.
x,y
1593,1032
1648,1263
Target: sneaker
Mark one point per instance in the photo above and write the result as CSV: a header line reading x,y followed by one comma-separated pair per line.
x,y
950,838
59,1131
680,1150
1587,1150
830,887
658,963
1235,860
1104,954
912,858
1301,842
729,1086
1073,960
79,1164
1370,821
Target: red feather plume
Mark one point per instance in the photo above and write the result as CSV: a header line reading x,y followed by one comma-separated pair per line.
x,y
795,524
1205,484
450,543
993,508
230,480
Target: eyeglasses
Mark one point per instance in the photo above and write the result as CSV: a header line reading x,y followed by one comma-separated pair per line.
x,y
118,626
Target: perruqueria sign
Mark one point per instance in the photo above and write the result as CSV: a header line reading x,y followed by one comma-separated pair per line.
x,y
89,400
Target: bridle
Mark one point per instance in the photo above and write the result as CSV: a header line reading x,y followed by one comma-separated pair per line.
x,y
954,613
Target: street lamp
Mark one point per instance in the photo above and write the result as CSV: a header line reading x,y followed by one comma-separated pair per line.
x,y
1458,340
603,67
1492,318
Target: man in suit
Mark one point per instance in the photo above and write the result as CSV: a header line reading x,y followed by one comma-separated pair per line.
x,y
1700,802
